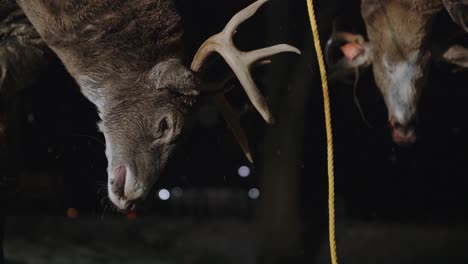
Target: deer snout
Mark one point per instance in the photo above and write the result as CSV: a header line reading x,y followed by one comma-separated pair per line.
x,y
121,192
118,181
403,133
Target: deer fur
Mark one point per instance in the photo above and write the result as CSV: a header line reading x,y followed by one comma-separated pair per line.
x,y
399,50
127,57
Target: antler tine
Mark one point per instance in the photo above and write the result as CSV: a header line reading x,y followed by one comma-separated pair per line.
x,y
256,55
210,45
239,61
233,122
229,114
242,16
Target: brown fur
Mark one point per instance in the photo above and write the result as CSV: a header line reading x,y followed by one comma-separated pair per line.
x,y
399,50
105,38
22,51
396,30
127,57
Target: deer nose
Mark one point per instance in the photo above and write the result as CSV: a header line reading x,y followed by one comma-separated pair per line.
x,y
403,133
118,181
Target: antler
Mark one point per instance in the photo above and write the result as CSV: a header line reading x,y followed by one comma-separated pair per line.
x,y
240,62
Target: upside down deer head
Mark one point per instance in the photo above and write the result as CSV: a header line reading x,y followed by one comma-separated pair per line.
x,y
399,53
126,57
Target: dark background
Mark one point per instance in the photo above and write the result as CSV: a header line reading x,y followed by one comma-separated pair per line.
x,y
60,162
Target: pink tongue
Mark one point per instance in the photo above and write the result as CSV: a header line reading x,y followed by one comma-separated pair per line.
x,y
351,50
119,177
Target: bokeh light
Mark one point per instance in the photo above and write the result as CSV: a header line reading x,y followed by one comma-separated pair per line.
x,y
132,215
72,213
177,192
164,194
244,171
254,193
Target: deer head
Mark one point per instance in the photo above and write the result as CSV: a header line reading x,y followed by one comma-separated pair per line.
x,y
399,51
126,57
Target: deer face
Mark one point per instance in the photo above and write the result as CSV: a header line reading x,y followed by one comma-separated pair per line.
x,y
397,50
139,143
125,56
401,59
143,130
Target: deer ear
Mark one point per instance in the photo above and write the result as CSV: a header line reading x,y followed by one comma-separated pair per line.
x,y
345,53
172,74
457,55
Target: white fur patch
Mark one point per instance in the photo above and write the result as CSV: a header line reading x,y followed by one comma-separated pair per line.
x,y
402,90
133,190
90,89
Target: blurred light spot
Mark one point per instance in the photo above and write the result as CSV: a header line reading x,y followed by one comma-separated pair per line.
x,y
244,171
164,194
31,118
132,215
177,192
72,213
254,193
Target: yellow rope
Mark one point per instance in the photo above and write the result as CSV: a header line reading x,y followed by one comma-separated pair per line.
x,y
328,125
